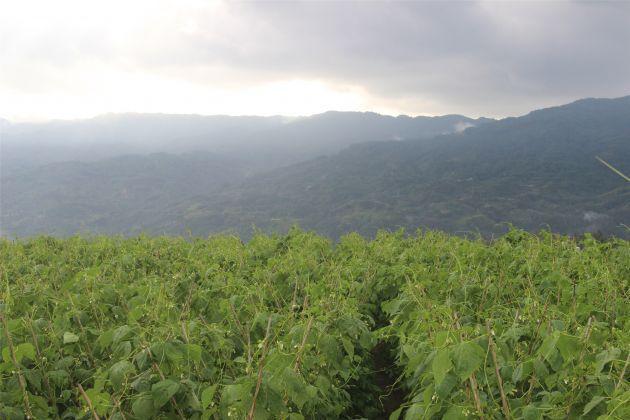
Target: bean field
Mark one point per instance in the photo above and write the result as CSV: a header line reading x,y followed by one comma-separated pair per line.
x,y
296,326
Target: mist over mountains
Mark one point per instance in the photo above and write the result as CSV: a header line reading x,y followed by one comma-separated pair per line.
x,y
264,141
334,172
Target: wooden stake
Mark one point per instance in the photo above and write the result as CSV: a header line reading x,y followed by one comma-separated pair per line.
x,y
250,416
504,402
89,402
51,394
471,379
22,382
623,372
298,358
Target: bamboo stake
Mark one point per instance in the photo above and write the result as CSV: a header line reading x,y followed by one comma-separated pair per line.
x,y
475,390
623,372
89,402
51,394
250,416
612,168
587,335
21,380
540,321
298,358
120,410
504,402
473,381
245,335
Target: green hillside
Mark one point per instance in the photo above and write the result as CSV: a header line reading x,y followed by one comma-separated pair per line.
x,y
296,327
121,194
536,171
126,173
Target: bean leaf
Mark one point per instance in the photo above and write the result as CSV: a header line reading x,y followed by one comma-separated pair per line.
x,y
69,338
163,391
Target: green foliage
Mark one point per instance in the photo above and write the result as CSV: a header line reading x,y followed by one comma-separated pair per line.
x,y
287,327
545,312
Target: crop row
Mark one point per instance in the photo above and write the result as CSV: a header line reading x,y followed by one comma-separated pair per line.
x,y
290,327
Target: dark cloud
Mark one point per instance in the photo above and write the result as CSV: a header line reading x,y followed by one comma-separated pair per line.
x,y
476,58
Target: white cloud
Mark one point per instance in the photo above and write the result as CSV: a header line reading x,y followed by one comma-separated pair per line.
x,y
80,58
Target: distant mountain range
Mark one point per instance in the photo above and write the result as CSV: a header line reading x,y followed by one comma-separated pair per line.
x,y
265,142
334,172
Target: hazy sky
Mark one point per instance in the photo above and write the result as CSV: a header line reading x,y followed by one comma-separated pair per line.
x,y
78,58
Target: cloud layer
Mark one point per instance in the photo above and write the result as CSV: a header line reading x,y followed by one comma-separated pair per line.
x,y
75,58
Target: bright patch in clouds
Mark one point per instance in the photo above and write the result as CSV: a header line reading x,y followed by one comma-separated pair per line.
x,y
133,92
79,58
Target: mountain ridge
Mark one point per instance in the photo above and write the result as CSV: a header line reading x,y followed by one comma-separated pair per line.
x,y
277,140
488,155
533,171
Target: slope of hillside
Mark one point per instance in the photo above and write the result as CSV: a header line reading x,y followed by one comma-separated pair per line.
x,y
125,194
29,145
41,192
333,131
535,171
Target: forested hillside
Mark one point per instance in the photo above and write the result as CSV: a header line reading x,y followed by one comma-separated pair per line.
x,y
535,171
294,327
265,142
126,173
120,194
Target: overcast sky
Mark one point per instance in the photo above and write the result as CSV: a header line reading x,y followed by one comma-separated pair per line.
x,y
79,58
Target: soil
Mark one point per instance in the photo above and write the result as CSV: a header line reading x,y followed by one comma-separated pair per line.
x,y
385,375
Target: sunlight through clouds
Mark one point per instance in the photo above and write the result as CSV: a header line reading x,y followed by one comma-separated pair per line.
x,y
72,58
